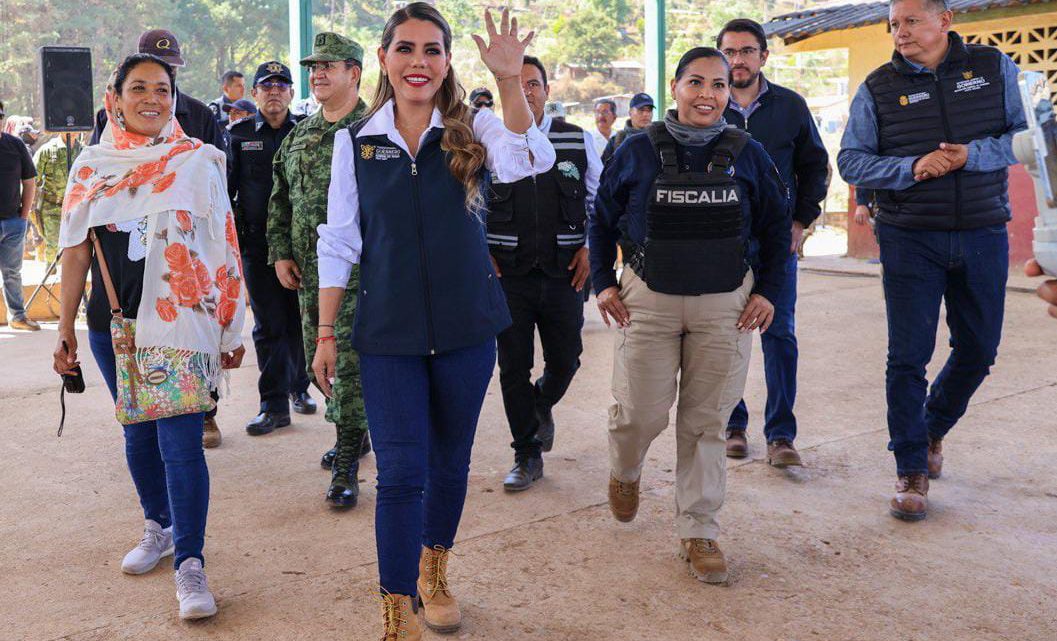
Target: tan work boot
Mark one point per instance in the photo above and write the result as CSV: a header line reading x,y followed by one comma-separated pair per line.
x,y
705,559
210,433
935,458
442,612
737,444
781,453
623,499
400,620
911,502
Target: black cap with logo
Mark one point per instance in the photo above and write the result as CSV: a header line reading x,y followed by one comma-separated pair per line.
x,y
272,69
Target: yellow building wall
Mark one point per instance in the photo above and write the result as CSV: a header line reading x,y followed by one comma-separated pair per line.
x,y
1028,35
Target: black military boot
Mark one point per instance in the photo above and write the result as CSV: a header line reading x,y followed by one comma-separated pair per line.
x,y
345,482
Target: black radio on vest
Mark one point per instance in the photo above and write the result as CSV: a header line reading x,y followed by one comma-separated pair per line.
x,y
539,222
694,227
962,101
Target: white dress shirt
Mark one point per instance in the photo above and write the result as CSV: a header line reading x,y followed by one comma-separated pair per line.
x,y
600,140
510,157
594,162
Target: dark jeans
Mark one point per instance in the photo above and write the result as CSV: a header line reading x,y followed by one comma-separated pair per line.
x,y
12,242
967,270
780,355
422,413
557,310
167,465
276,334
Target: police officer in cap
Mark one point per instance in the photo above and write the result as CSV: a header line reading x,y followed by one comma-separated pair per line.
x,y
537,236
481,98
276,313
640,115
689,202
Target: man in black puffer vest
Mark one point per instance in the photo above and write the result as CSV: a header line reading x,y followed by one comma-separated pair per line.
x,y
537,235
931,133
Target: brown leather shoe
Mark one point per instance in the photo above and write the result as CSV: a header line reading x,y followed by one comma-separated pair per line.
x,y
400,619
911,502
623,499
210,433
781,453
25,324
442,612
935,458
737,444
705,560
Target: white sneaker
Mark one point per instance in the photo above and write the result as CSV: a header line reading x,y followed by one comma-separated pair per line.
x,y
156,543
196,601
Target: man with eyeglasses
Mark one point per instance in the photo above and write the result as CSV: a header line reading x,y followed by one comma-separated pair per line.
x,y
481,98
780,120
277,316
298,204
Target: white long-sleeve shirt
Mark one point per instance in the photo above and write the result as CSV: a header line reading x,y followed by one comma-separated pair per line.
x,y
510,157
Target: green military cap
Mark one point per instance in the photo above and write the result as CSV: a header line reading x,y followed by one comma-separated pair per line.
x,y
332,47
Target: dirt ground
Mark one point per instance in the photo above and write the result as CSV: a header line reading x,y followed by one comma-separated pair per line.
x,y
813,552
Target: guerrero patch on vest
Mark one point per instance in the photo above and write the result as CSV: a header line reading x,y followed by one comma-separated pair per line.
x,y
694,223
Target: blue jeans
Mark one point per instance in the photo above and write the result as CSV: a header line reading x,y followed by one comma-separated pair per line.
x,y
968,271
167,464
12,242
780,355
422,413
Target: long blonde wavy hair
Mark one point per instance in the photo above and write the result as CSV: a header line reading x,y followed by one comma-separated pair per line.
x,y
467,156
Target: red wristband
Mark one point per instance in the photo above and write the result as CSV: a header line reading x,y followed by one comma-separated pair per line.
x,y
323,339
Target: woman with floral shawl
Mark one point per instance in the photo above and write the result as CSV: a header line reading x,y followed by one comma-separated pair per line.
x,y
157,203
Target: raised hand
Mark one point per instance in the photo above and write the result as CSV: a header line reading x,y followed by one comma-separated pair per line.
x,y
504,53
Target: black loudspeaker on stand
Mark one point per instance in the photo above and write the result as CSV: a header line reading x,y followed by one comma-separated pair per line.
x,y
66,93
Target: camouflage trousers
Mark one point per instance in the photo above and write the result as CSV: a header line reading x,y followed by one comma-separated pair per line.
x,y
50,233
345,407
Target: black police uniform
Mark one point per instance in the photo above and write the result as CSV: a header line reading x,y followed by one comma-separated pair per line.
x,y
535,228
277,315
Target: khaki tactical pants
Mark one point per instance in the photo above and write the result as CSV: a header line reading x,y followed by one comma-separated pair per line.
x,y
689,343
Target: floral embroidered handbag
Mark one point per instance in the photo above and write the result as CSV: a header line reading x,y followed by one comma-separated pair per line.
x,y
167,382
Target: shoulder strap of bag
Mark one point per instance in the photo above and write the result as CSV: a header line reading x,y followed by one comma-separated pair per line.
x,y
111,293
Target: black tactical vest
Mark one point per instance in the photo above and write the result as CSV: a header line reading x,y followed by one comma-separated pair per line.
x,y
694,225
963,101
539,222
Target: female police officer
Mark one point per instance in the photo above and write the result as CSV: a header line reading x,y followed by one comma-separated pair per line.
x,y
691,203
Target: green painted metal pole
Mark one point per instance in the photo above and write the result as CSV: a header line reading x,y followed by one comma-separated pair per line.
x,y
300,43
655,54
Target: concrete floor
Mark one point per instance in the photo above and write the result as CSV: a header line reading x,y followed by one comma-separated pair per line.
x,y
813,552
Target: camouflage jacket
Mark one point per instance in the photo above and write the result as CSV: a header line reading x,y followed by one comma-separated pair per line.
x,y
50,161
301,173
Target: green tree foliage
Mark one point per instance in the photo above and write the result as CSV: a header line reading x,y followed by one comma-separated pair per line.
x,y
588,38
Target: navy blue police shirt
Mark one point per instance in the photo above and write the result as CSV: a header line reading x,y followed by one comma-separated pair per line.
x,y
626,187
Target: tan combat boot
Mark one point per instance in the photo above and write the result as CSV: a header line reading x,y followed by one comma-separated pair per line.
x,y
442,612
737,444
401,622
705,559
623,499
935,458
210,433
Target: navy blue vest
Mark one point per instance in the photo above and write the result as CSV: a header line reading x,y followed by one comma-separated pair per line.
x,y
963,101
426,282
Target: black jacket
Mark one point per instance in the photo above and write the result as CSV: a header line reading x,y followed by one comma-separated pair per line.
x,y
196,119
785,127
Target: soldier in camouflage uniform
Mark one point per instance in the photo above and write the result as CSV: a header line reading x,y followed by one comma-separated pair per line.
x,y
52,172
298,205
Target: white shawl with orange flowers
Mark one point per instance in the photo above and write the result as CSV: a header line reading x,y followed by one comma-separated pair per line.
x,y
192,280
